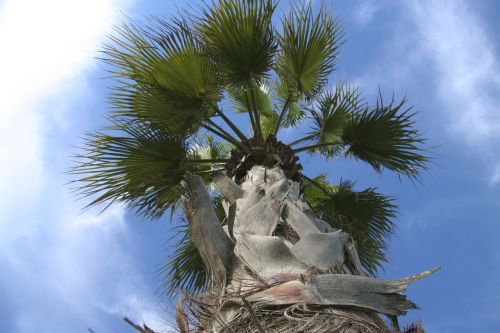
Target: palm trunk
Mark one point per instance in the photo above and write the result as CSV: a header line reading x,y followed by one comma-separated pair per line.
x,y
277,268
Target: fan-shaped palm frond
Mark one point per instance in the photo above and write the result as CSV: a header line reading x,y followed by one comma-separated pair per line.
x,y
329,118
256,100
206,148
366,216
292,108
308,49
209,155
262,97
386,137
383,136
163,76
141,165
239,35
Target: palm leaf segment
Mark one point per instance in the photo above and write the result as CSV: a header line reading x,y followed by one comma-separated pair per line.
x,y
384,136
142,167
239,35
309,46
163,76
171,81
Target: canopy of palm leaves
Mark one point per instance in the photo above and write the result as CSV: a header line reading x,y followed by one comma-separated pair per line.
x,y
172,83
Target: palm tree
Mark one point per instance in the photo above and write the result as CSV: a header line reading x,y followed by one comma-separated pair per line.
x,y
264,247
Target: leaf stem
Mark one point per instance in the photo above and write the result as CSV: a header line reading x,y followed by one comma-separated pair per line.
x,y
228,138
257,116
282,114
235,129
301,140
318,145
315,183
250,114
222,130
253,316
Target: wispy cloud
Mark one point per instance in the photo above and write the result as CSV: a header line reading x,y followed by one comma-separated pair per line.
x,y
442,50
61,269
495,177
366,11
456,40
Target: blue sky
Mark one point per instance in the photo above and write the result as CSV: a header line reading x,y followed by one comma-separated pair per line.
x,y
64,271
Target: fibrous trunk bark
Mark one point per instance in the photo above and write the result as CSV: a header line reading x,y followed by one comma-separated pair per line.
x,y
278,268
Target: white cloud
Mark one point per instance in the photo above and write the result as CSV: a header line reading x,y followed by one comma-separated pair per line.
x,y
46,46
67,269
495,177
442,51
455,39
366,11
60,268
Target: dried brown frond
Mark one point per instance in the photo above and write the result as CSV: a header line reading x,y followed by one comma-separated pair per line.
x,y
414,328
228,312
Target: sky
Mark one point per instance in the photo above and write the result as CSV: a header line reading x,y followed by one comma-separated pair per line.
x,y
66,271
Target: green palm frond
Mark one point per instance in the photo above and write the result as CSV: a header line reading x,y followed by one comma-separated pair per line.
x,y
268,123
329,117
334,109
163,76
294,115
136,164
257,99
385,137
206,148
210,156
184,269
292,111
239,35
262,96
308,48
367,217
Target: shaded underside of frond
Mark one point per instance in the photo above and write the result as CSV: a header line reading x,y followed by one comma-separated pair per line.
x,y
137,165
142,166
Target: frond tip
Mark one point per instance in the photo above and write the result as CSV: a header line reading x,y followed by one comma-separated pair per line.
x,y
238,34
162,75
141,166
308,49
385,137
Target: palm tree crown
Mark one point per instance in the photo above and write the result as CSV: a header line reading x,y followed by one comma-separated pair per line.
x,y
178,85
